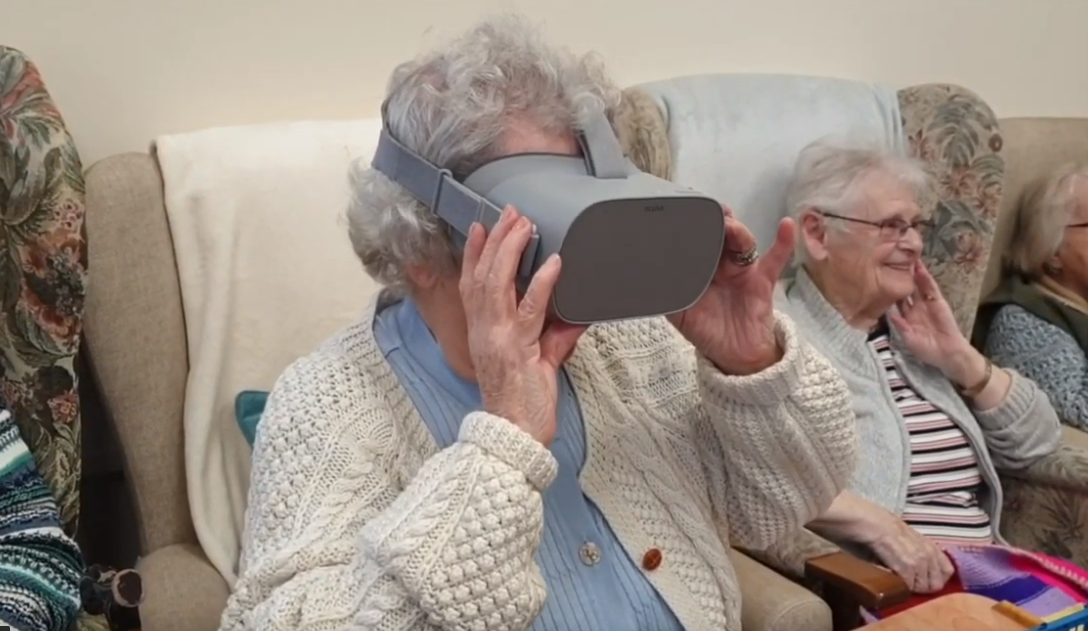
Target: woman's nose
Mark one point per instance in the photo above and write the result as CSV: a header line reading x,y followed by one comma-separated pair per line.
x,y
912,240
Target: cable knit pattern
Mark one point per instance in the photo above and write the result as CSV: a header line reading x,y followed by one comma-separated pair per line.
x,y
1045,354
357,520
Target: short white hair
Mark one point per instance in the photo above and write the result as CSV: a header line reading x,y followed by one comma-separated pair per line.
x,y
828,172
1042,213
453,106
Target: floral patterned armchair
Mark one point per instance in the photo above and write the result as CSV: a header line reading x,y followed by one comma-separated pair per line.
x,y
43,275
957,137
43,281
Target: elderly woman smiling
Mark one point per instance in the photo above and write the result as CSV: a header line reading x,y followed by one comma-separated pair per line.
x,y
935,417
457,460
1036,321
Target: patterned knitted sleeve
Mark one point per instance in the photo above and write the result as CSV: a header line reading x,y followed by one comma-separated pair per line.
x,y
780,445
338,537
1045,354
40,566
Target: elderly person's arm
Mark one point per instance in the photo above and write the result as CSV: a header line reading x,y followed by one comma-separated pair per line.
x,y
901,548
773,439
1017,419
337,538
1020,424
786,441
775,447
1045,354
40,566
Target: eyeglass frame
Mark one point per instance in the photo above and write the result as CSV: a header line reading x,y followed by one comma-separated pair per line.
x,y
898,224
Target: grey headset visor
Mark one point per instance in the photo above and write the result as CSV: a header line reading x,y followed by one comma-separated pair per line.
x,y
633,245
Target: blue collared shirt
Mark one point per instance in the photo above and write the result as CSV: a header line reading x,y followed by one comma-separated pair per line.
x,y
593,585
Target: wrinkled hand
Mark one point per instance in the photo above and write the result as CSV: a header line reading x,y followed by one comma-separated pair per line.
x,y
921,563
927,324
515,353
733,323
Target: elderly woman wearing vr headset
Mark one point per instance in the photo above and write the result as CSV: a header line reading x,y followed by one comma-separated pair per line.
x,y
460,459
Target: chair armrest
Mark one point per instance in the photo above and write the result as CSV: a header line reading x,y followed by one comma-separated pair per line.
x,y
183,592
772,602
860,582
845,582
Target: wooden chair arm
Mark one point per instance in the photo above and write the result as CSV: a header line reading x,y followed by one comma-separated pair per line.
x,y
849,583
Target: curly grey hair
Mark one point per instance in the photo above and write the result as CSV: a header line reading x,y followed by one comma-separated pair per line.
x,y
828,171
453,106
1041,216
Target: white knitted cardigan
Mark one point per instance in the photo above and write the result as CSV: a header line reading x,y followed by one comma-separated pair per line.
x,y
356,520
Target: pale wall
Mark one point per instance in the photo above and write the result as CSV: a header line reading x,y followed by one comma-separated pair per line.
x,y
124,71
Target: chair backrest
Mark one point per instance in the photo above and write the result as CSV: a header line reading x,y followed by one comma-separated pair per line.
x,y
43,276
954,133
1034,147
135,339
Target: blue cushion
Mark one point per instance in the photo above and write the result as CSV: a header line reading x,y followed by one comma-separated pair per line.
x,y
248,407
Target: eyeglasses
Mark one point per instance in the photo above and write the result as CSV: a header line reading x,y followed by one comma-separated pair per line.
x,y
893,229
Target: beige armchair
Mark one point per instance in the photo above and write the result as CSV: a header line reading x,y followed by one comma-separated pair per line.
x,y
136,349
962,144
1051,496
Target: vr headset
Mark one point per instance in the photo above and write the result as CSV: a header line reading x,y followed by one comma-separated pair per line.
x,y
632,245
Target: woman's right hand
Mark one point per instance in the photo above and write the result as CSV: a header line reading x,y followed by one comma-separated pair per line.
x,y
515,351
920,562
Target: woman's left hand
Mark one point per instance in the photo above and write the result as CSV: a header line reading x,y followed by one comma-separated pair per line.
x,y
927,324
930,332
733,323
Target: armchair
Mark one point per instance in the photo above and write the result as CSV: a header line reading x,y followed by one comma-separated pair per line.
x,y
958,138
1051,495
43,267
43,279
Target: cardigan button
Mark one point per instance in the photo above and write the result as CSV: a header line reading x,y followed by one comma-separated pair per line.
x,y
651,560
590,553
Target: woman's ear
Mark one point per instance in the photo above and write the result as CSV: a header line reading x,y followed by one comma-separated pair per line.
x,y
1053,266
422,276
814,233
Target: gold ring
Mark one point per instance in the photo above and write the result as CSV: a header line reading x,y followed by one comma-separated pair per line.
x,y
746,258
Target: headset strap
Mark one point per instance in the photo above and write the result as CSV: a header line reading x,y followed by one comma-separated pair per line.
x,y
459,207
441,193
603,153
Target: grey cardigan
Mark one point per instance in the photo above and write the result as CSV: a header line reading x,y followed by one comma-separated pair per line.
x,y
1018,432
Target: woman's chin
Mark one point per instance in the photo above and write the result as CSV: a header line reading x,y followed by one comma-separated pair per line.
x,y
898,285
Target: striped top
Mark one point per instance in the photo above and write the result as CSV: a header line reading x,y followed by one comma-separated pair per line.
x,y
942,494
